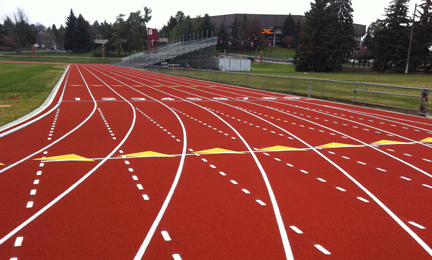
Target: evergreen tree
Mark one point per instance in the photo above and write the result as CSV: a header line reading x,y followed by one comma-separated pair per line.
x,y
392,41
71,21
288,31
326,37
223,37
207,26
81,36
422,37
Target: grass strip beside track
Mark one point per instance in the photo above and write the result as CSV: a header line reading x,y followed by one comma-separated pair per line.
x,y
66,60
31,83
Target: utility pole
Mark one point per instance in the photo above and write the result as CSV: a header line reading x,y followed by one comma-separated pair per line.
x,y
409,48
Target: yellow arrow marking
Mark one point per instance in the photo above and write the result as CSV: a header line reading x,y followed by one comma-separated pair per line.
x,y
66,157
281,148
429,139
146,154
1,163
217,150
333,145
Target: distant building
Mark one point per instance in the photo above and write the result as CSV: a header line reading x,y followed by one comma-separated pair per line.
x,y
272,24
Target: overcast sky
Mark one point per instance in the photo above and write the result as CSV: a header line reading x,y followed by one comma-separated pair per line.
x,y
55,12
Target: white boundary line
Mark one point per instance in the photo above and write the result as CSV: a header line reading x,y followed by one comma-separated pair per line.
x,y
382,205
47,103
282,230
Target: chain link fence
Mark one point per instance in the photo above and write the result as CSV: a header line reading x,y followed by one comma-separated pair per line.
x,y
397,98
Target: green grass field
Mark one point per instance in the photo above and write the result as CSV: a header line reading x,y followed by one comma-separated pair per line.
x,y
66,60
32,83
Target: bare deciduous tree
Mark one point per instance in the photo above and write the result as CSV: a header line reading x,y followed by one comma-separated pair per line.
x,y
15,29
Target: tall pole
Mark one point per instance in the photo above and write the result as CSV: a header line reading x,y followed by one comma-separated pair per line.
x,y
409,48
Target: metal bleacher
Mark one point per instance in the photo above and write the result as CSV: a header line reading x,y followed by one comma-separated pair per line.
x,y
169,52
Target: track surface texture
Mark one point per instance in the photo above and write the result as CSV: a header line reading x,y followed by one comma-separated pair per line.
x,y
140,165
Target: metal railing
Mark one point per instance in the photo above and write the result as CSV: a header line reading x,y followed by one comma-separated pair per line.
x,y
400,98
169,52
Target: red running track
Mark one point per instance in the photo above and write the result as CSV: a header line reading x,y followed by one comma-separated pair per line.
x,y
140,165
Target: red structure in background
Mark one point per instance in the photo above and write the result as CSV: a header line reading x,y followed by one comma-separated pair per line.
x,y
151,35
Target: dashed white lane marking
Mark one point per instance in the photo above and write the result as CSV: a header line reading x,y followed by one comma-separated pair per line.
x,y
416,225
36,182
145,197
120,151
322,249
260,202
14,258
233,182
18,241
246,191
134,177
297,230
222,173
33,192
39,173
130,169
407,154
379,169
427,186
211,165
29,204
140,187
426,160
303,171
41,165
345,157
166,236
277,159
204,160
176,257
127,162
290,165
322,180
330,152
405,178
341,189
361,162
363,199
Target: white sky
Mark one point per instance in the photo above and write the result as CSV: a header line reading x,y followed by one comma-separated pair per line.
x,y
55,12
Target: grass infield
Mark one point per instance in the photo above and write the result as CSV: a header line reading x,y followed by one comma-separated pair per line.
x,y
31,83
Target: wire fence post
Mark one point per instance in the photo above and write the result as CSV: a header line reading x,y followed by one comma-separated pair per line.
x,y
322,89
309,89
364,101
355,92
291,85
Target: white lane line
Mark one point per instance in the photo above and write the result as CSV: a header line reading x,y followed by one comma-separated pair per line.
x,y
145,197
260,202
426,160
428,186
322,180
407,154
361,162
416,225
211,165
204,160
130,169
405,178
277,159
18,241
39,173
345,157
363,199
330,152
166,236
41,165
296,229
29,204
176,257
233,182
134,177
36,182
379,169
127,162
246,191
290,165
33,192
222,173
140,187
303,171
322,249
341,189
